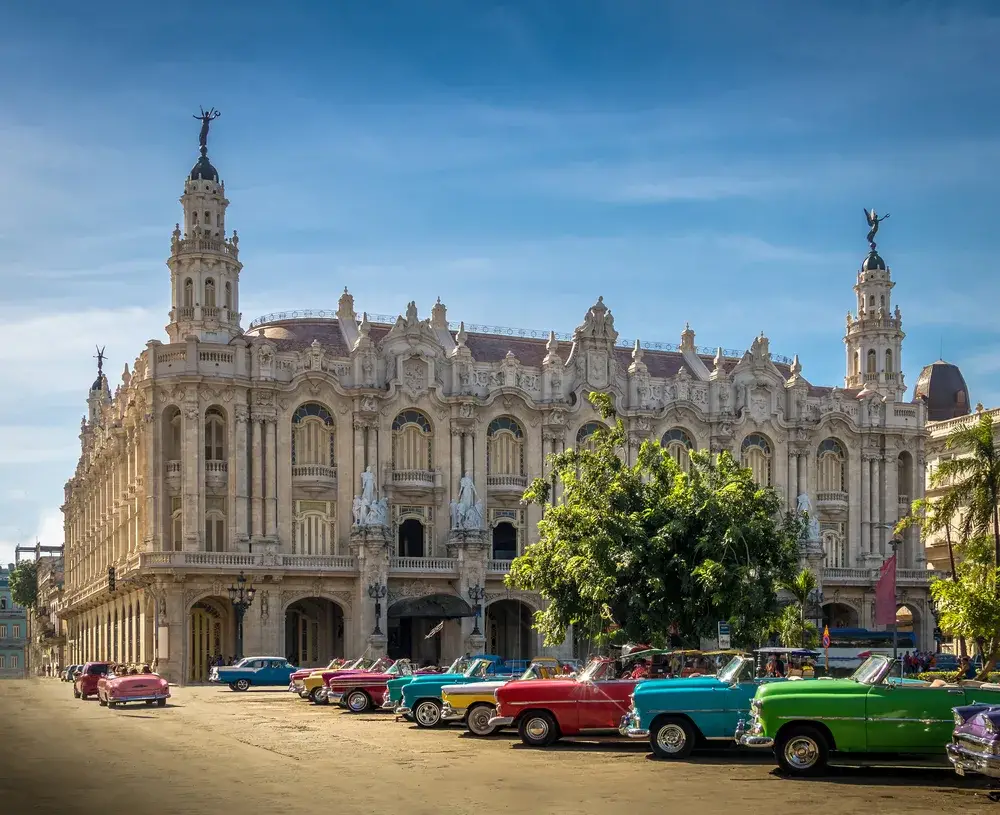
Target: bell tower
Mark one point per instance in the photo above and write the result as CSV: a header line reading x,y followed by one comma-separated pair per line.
x,y
204,264
874,338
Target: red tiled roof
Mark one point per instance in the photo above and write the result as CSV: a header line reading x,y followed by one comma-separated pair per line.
x,y
297,335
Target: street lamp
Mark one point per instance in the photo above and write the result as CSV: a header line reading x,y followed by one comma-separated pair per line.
x,y
476,594
241,596
377,592
895,543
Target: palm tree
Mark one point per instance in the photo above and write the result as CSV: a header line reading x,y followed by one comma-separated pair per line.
x,y
973,481
800,587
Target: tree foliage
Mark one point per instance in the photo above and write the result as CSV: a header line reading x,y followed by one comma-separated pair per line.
x,y
967,606
793,629
24,584
640,549
972,479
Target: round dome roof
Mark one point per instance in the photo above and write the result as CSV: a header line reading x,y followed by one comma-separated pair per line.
x,y
943,388
204,171
100,384
872,262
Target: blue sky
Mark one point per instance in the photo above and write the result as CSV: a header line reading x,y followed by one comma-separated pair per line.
x,y
689,162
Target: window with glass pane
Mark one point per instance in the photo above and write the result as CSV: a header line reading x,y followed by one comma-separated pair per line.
x,y
832,466
215,435
585,435
313,435
505,447
678,445
755,454
412,442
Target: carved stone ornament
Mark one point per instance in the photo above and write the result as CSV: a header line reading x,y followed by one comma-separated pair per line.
x,y
369,404
415,375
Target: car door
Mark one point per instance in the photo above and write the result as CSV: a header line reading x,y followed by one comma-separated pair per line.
x,y
603,703
278,671
910,718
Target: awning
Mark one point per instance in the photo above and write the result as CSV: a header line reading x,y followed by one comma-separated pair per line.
x,y
438,606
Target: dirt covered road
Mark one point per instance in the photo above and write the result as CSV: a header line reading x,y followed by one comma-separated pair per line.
x,y
212,750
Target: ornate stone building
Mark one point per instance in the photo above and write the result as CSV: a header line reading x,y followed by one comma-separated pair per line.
x,y
365,471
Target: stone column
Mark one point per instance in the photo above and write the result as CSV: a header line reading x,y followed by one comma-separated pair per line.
x,y
190,470
793,478
271,468
152,522
803,472
257,486
890,475
240,465
865,553
359,459
370,546
878,533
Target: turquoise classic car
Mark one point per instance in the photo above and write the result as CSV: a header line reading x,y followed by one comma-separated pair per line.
x,y
422,697
678,715
260,671
393,698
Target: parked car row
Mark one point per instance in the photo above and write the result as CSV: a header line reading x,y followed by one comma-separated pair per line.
x,y
870,717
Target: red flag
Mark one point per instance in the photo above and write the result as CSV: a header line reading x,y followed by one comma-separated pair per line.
x,y
885,594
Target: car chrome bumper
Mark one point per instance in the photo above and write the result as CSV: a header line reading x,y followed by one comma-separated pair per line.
x,y
965,760
333,696
388,704
403,710
121,700
627,727
501,721
451,714
751,737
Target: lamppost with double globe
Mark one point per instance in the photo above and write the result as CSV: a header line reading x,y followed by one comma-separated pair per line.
x,y
476,595
377,592
241,596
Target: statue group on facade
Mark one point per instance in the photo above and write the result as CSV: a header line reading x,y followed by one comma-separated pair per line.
x,y
368,509
467,512
804,507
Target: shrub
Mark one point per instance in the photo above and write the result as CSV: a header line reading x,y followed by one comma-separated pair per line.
x,y
952,676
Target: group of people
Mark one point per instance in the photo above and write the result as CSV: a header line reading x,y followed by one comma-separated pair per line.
x,y
919,661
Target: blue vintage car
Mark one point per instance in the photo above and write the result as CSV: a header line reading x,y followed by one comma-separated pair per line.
x,y
422,697
678,715
259,671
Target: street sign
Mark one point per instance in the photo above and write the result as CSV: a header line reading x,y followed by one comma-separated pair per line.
x,y
724,640
826,636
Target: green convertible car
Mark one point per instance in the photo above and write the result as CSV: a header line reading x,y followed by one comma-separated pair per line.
x,y
870,716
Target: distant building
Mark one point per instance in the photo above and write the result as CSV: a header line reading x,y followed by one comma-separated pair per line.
x,y
47,634
13,631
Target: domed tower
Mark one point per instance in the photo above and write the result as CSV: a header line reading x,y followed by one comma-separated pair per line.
x,y
100,392
874,337
942,388
204,264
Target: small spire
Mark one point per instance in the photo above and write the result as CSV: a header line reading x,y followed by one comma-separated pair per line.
x,y
719,360
461,336
365,327
796,367
637,351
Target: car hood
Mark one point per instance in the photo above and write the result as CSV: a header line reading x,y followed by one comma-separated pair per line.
x,y
137,681
529,687
811,687
476,688
355,676
647,687
439,679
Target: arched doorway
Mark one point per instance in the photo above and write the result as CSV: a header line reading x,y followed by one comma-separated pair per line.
x,y
504,541
840,615
314,632
412,619
210,636
508,629
411,538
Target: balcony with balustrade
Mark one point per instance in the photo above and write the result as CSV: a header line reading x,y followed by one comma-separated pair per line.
x,y
412,484
506,485
216,474
867,578
314,478
173,475
237,561
429,566
832,502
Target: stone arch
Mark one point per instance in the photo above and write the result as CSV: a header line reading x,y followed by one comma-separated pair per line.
x,y
315,628
314,434
839,614
757,453
508,629
412,440
411,619
505,439
210,634
586,432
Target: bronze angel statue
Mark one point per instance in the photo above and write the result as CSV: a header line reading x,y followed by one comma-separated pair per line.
x,y
873,222
206,117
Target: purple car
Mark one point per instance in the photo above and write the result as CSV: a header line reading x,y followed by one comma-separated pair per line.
x,y
975,743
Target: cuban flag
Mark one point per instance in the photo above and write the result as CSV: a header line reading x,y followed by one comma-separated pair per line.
x,y
435,630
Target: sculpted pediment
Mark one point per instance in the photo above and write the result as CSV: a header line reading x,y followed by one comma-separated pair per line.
x,y
411,334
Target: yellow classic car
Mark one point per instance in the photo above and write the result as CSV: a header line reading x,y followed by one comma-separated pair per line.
x,y
316,681
475,704
296,683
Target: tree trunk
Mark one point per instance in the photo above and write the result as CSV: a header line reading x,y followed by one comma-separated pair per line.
x,y
951,552
989,660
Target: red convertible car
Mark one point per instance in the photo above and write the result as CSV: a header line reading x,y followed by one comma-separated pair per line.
x,y
85,680
591,704
114,690
360,692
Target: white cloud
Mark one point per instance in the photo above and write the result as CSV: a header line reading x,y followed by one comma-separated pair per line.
x,y
48,531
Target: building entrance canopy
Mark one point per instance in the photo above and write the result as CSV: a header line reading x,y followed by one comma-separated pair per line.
x,y
438,606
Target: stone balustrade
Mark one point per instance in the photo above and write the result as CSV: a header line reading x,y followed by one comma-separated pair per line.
x,y
444,565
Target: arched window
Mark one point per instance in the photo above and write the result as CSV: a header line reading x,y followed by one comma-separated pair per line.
x,y
173,430
755,453
229,296
832,466
585,435
678,445
834,550
872,361
215,525
871,301
504,447
313,530
188,293
215,435
412,441
881,300
210,293
888,361
313,436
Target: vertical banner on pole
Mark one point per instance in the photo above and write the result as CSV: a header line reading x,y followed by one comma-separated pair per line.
x,y
826,646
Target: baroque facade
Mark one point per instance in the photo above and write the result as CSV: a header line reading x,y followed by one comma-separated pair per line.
x,y
365,471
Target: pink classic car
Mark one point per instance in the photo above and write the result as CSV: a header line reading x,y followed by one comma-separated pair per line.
x,y
150,688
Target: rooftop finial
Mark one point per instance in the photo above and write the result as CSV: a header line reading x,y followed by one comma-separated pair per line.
x,y
99,356
873,222
206,117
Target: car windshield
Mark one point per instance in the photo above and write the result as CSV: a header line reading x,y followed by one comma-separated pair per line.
x,y
596,670
401,667
733,670
244,663
381,666
479,669
460,665
535,671
870,671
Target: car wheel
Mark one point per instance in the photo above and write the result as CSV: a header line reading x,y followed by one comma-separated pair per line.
x,y
110,705
161,702
232,686
315,698
76,693
538,729
801,750
83,696
242,684
100,701
478,720
672,737
358,701
427,713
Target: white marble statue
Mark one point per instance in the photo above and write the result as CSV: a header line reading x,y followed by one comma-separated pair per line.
x,y
378,513
456,515
467,493
358,510
473,518
803,504
368,486
813,528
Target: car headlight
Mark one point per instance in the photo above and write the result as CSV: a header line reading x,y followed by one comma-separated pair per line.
x,y
755,704
958,718
988,726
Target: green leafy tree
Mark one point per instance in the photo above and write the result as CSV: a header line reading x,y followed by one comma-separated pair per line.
x,y
793,629
636,549
973,483
967,606
24,584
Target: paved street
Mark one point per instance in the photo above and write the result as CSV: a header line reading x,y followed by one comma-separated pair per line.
x,y
213,750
